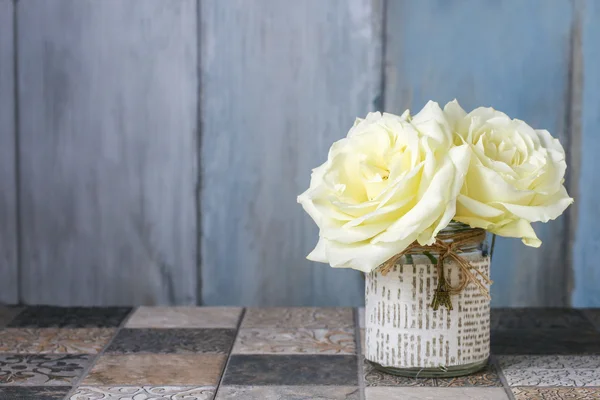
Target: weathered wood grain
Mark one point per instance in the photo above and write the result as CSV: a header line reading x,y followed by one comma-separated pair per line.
x,y
9,282
587,234
280,82
512,55
108,99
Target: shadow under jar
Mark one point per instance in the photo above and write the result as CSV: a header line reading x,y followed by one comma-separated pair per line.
x,y
405,336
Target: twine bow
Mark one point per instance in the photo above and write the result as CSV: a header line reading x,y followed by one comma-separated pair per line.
x,y
445,246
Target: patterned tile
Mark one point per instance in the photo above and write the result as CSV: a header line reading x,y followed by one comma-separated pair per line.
x,y
50,369
185,317
75,317
420,393
291,370
143,393
33,392
288,392
295,341
486,377
54,340
7,313
533,393
299,317
157,369
374,377
538,318
179,341
549,341
551,370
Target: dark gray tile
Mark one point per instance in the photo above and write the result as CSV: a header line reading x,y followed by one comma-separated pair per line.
x,y
42,370
593,315
72,317
33,392
538,318
486,377
7,314
216,341
291,370
374,377
545,342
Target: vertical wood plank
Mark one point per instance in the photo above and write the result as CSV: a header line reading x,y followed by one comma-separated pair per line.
x,y
9,282
280,82
514,56
587,234
108,99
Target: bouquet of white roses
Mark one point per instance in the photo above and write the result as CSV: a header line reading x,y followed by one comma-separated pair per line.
x,y
399,180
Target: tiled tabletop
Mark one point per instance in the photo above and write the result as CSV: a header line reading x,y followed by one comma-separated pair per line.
x,y
178,353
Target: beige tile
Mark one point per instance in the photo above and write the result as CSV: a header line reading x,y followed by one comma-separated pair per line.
x,y
54,340
143,392
299,317
535,393
185,317
295,341
157,369
288,392
433,393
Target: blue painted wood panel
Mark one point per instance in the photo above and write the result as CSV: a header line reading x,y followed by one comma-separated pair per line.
x,y
512,55
587,237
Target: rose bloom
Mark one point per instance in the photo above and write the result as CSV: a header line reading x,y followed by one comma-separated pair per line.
x,y
515,176
391,181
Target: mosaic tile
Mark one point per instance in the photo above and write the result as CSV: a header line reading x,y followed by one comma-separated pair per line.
x,y
74,317
54,340
374,377
157,369
49,369
421,393
486,377
185,317
549,341
295,341
291,370
299,317
179,341
7,314
538,318
143,393
551,370
33,392
534,393
548,362
288,392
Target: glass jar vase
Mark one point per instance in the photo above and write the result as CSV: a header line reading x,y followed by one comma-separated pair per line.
x,y
406,336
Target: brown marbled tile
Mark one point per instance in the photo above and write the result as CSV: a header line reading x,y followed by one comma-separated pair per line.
x,y
299,317
537,393
181,341
33,392
486,377
157,369
54,340
42,370
7,314
295,341
374,377
143,392
545,342
538,318
288,392
291,370
434,393
185,317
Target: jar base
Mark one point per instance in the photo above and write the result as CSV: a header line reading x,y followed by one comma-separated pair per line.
x,y
448,372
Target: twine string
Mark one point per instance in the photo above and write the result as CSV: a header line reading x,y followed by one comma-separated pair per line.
x,y
446,246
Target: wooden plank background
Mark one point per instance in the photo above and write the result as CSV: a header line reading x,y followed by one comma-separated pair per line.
x,y
280,82
8,187
162,144
108,100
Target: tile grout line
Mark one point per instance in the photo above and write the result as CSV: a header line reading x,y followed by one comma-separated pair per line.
x,y
224,369
359,355
93,361
505,385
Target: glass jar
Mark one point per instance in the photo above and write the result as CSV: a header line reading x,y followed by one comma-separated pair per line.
x,y
405,336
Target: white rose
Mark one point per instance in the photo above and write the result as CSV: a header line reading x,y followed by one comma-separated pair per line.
x,y
391,181
515,177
